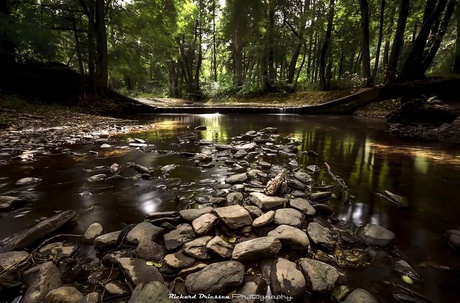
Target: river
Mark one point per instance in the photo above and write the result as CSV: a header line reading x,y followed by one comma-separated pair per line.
x,y
358,150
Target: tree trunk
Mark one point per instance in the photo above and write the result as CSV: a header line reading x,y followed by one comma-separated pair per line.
x,y
77,47
412,68
7,47
456,67
271,75
366,59
325,48
214,53
397,42
102,63
379,42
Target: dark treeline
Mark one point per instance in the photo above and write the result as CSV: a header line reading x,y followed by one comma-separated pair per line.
x,y
193,48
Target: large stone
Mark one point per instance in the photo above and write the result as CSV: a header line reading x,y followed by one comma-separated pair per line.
x,y
9,202
40,280
39,231
137,271
234,216
197,248
177,237
28,181
192,214
204,223
291,237
296,184
320,235
92,232
375,235
57,251
10,267
64,294
234,198
220,247
286,279
454,237
289,216
265,219
320,276
265,202
360,295
237,178
108,241
143,230
254,287
216,278
303,205
151,292
93,297
255,249
303,177
179,260
149,250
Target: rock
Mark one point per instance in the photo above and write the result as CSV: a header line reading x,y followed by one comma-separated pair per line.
x,y
10,268
93,297
64,294
177,237
255,249
286,279
204,223
28,181
97,178
303,205
313,168
396,199
143,231
291,237
216,278
40,280
240,154
268,130
296,184
234,198
223,146
92,232
265,219
116,289
254,287
274,186
179,260
197,248
320,235
200,127
352,258
289,216
375,235
245,147
192,214
265,202
108,241
10,202
183,273
320,276
105,145
402,267
149,250
168,168
220,247
237,178
39,231
323,209
57,251
451,133
320,195
303,177
151,292
454,237
234,216
254,211
137,271
360,295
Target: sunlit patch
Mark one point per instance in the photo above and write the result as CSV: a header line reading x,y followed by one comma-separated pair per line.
x,y
210,116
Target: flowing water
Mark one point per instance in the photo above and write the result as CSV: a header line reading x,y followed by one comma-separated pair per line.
x,y
358,150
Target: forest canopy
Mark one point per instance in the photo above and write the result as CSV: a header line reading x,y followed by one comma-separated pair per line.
x,y
197,48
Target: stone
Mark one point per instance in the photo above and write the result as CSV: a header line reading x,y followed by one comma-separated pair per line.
x,y
320,277
454,237
223,146
254,210
215,279
237,178
234,216
253,287
376,235
108,241
286,279
265,219
179,260
177,237
265,202
97,178
240,154
93,297
149,250
291,237
296,184
204,223
151,292
39,231
192,214
9,202
234,198
10,268
220,247
255,249
64,294
275,185
57,251
143,230
92,232
320,235
197,248
27,181
289,216
116,289
320,195
183,273
40,280
137,271
303,177
303,205
360,295
245,147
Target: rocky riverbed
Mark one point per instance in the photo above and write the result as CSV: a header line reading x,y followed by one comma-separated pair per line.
x,y
266,232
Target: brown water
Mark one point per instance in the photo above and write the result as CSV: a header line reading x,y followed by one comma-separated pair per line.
x,y
358,150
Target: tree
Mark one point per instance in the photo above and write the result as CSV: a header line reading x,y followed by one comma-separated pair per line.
x,y
379,43
456,66
6,43
365,54
324,83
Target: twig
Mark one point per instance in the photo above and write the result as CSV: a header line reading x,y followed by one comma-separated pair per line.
x,y
345,194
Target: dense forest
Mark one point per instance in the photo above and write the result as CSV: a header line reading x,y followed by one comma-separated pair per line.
x,y
197,48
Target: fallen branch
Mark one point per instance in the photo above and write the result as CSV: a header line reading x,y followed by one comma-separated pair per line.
x,y
345,192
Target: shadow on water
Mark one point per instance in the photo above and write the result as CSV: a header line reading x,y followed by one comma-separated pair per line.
x,y
358,150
